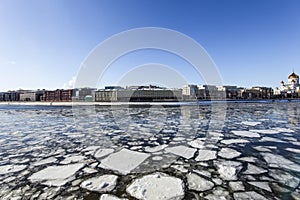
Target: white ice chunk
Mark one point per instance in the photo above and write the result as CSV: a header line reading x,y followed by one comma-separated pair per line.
x,y
5,169
157,186
285,178
110,197
250,123
182,151
271,139
180,168
228,170
248,159
252,169
293,150
248,196
103,152
262,185
280,162
284,130
236,186
123,161
104,183
56,175
218,194
246,134
197,143
205,155
265,131
228,153
234,141
262,149
198,183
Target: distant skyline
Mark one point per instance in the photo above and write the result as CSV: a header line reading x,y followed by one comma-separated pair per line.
x,y
43,43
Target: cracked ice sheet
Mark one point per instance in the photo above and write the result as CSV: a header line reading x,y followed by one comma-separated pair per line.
x,y
123,161
182,151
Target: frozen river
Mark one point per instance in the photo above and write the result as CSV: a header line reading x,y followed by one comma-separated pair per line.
x,y
222,151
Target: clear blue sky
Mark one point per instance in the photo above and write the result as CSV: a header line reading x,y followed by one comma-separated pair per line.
x,y
43,43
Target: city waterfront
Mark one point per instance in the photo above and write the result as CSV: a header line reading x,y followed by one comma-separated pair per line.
x,y
228,150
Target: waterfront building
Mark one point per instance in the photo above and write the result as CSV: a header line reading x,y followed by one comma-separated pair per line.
x,y
57,95
190,92
80,94
27,95
10,96
138,94
209,92
228,91
289,89
255,93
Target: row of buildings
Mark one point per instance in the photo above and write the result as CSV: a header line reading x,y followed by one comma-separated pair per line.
x,y
139,94
155,93
82,94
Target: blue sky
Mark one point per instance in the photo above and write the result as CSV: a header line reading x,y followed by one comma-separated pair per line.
x,y
43,43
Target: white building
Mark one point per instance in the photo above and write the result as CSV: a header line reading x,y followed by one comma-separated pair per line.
x,y
190,91
291,87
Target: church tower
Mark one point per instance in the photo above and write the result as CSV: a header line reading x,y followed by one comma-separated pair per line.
x,y
293,79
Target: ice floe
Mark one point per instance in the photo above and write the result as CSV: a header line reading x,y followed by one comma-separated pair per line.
x,y
293,150
197,143
198,183
285,178
123,161
182,151
279,161
248,196
250,123
228,170
56,175
104,183
218,194
234,141
204,155
252,169
249,134
110,197
265,131
236,186
157,186
228,153
271,139
5,169
262,185
284,130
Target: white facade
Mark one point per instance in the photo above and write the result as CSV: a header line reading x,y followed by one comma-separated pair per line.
x,y
292,86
